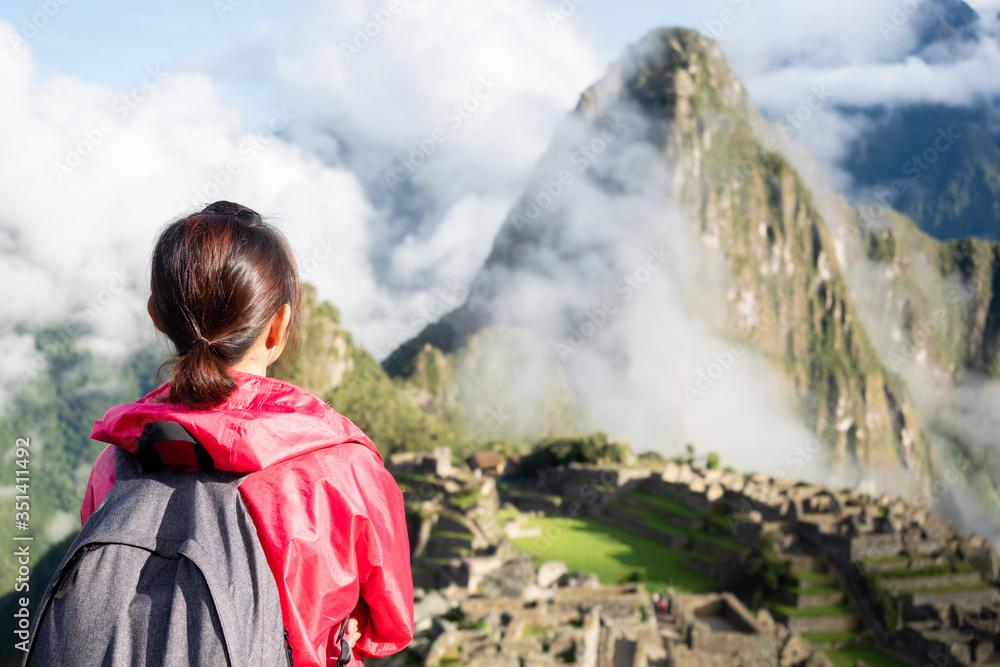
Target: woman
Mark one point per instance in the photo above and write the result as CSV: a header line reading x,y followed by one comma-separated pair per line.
x,y
226,292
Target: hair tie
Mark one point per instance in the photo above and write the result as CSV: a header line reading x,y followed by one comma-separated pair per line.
x,y
195,342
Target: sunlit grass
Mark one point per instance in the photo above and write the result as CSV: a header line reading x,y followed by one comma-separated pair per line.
x,y
846,657
612,553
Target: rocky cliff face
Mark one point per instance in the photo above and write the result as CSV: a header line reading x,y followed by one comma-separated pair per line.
x,y
746,206
942,298
934,311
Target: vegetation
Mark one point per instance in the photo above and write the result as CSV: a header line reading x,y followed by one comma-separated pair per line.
x,y
788,611
960,567
830,637
848,657
813,576
559,451
883,602
612,553
331,366
760,576
55,406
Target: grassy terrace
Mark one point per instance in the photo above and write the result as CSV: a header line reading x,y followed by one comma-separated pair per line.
x,y
670,506
725,563
813,576
659,523
897,558
816,590
788,611
674,507
451,533
612,553
509,489
846,657
957,588
961,567
416,478
830,637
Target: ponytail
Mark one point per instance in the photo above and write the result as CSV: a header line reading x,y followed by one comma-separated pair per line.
x,y
200,377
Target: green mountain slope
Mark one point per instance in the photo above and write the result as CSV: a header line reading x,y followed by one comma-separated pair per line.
x,y
346,376
944,295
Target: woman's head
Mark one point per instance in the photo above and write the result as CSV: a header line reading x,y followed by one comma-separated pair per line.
x,y
224,284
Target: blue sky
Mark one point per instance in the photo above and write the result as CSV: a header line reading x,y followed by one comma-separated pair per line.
x,y
112,41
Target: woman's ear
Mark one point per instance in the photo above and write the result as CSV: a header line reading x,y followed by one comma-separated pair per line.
x,y
278,331
152,314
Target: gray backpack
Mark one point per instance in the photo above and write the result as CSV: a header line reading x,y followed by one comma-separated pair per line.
x,y
168,571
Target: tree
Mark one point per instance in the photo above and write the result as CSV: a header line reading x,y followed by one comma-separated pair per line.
x,y
762,572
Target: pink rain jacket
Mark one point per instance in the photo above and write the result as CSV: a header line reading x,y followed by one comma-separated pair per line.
x,y
329,516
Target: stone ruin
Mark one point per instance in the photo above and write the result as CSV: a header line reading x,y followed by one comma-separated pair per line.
x,y
717,629
892,572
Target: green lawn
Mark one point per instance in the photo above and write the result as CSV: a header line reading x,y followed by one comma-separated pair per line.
x,y
845,657
612,553
507,514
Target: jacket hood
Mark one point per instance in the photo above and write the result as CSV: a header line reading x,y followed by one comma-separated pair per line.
x,y
264,421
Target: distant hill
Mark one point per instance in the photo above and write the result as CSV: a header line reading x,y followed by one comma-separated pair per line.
x,y
944,161
950,189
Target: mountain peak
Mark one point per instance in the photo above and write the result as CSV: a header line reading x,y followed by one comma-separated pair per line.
x,y
670,72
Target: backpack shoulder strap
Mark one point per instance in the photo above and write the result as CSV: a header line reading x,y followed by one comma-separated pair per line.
x,y
165,443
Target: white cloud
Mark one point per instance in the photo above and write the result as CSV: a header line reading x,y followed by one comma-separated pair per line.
x,y
962,83
79,238
132,164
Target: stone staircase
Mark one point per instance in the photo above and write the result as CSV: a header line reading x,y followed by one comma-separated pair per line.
x,y
812,603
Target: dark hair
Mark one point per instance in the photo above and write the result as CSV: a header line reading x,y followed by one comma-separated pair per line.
x,y
218,277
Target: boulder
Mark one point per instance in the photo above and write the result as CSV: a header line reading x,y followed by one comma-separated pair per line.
x,y
509,580
715,491
431,605
549,572
795,652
